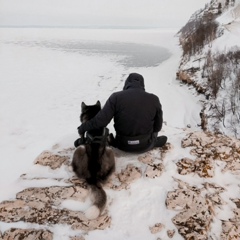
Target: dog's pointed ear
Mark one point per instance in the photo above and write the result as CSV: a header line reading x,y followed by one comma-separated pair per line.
x,y
98,103
83,105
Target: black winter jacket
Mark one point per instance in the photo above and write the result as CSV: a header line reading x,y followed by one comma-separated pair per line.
x,y
135,111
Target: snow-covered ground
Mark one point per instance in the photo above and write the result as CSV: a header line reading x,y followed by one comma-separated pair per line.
x,y
47,73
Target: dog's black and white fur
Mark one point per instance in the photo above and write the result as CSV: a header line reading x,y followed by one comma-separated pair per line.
x,y
94,161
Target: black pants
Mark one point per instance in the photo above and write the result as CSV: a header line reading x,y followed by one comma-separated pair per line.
x,y
139,144
146,142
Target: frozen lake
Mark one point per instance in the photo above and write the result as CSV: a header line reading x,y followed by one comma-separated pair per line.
x,y
127,54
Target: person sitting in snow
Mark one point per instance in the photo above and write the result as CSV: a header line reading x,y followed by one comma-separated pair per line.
x,y
138,118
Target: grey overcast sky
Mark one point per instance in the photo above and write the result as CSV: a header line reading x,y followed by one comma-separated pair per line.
x,y
98,13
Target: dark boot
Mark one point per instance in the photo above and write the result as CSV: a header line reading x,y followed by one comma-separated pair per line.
x,y
160,141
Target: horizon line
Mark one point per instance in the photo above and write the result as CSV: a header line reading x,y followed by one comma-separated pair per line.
x,y
87,27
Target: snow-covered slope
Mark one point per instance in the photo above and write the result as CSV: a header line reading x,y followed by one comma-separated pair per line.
x,y
213,68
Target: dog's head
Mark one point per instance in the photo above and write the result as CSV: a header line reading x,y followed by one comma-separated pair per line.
x,y
89,111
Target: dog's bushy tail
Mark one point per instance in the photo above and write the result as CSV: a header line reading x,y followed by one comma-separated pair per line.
x,y
99,199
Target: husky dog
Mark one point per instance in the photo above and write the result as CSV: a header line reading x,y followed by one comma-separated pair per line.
x,y
94,161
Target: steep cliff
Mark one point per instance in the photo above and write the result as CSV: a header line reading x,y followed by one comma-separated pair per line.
x,y
210,62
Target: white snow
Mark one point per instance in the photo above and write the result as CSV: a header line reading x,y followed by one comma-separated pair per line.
x,y
42,84
229,25
42,88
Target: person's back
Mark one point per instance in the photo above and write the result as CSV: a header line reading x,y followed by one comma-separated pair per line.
x,y
135,109
137,117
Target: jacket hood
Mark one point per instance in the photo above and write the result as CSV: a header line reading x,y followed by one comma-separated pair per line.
x,y
134,80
